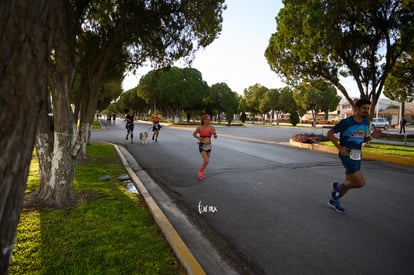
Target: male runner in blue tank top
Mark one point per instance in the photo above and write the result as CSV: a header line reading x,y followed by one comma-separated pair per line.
x,y
354,131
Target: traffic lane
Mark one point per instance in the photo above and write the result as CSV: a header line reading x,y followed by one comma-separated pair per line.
x,y
176,154
280,134
273,214
292,222
281,216
152,153
268,133
173,163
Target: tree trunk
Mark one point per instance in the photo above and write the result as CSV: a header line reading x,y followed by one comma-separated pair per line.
x,y
59,144
402,112
44,146
89,101
90,88
59,147
314,117
26,30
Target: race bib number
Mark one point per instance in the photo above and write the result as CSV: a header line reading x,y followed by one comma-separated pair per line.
x,y
355,154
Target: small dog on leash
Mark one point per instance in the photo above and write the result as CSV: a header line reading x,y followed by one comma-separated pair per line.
x,y
143,137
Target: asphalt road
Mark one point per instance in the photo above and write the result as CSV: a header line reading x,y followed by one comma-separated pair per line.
x,y
264,205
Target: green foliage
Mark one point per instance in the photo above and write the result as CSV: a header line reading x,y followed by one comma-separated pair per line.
x,y
109,91
334,39
286,101
294,118
223,99
399,85
107,232
111,37
162,31
174,90
270,101
317,96
253,96
230,103
133,101
96,125
33,176
243,117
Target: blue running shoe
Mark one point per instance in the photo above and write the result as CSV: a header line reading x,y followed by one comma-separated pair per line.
x,y
336,205
336,192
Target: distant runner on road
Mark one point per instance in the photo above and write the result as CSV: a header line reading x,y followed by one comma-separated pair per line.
x,y
156,126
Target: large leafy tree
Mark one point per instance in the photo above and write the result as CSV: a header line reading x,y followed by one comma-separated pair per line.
x,y
186,90
160,31
195,90
286,101
333,40
231,103
109,91
253,96
26,32
214,100
270,102
287,104
399,85
330,100
132,101
148,90
96,38
317,96
223,99
174,90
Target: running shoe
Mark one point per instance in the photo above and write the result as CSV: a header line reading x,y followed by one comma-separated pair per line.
x,y
201,175
336,205
336,192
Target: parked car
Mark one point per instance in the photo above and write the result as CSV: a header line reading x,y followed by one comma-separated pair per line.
x,y
380,123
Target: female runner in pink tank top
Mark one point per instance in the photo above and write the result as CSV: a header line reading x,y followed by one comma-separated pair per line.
x,y
203,134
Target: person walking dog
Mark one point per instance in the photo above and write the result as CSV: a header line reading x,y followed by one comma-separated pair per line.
x,y
129,118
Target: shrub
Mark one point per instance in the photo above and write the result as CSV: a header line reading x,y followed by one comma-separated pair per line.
x,y
309,138
294,118
243,117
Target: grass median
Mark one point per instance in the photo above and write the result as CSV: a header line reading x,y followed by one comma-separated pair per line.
x,y
385,149
109,231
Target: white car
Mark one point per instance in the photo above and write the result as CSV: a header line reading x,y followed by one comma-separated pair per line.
x,y
380,123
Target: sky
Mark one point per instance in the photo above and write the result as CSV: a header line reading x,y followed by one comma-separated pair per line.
x,y
236,57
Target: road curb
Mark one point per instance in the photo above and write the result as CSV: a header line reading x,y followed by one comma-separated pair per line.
x,y
368,155
181,250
